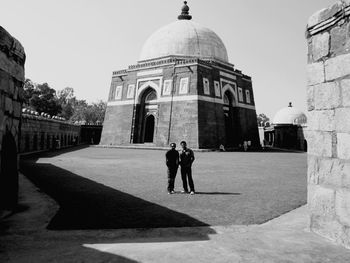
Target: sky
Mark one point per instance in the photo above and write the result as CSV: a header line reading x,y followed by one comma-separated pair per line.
x,y
78,43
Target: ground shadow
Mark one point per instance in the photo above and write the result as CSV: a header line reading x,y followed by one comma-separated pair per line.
x,y
85,204
216,193
53,153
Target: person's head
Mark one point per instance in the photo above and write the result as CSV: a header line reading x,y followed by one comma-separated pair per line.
x,y
183,145
173,146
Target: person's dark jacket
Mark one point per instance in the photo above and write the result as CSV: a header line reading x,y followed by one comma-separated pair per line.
x,y
172,159
186,158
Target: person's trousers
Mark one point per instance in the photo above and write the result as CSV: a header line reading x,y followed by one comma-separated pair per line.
x,y
186,174
171,178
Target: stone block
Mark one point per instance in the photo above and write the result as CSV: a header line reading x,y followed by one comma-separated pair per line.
x,y
342,206
342,115
2,121
345,91
321,201
315,73
324,14
8,105
330,229
11,67
11,88
312,169
343,145
327,96
320,46
346,175
340,41
310,98
337,67
4,81
320,143
315,18
329,172
17,109
323,120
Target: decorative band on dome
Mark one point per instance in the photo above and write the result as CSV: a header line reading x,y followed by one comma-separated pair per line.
x,y
185,12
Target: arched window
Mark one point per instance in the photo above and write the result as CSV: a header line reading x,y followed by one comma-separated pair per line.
x,y
151,97
226,99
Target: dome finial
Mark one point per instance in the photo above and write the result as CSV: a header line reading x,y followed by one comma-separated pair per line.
x,y
184,12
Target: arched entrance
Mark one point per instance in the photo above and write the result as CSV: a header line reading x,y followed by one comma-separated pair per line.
x,y
149,128
145,120
8,173
228,115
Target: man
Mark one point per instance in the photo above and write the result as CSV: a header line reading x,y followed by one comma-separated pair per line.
x,y
172,162
186,160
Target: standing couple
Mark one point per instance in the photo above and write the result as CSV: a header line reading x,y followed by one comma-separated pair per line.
x,y
185,159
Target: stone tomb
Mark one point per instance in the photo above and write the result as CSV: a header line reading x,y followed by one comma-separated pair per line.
x,y
182,88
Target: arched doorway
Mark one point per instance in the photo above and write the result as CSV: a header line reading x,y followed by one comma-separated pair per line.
x,y
228,115
8,173
145,120
149,128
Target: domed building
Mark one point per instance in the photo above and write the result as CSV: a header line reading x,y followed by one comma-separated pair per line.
x,y
287,130
182,88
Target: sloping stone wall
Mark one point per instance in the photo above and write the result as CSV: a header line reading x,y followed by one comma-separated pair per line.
x,y
12,58
328,98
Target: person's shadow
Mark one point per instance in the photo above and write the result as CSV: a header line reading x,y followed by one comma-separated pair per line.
x,y
216,193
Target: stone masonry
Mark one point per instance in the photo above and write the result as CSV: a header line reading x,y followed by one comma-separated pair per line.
x,y
12,58
328,100
42,134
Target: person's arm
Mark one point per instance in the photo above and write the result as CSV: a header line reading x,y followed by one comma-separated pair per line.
x,y
178,159
166,159
192,157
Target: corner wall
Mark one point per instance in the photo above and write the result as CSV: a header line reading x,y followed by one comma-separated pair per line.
x,y
12,58
328,97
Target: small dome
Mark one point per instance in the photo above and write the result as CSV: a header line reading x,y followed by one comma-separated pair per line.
x,y
289,115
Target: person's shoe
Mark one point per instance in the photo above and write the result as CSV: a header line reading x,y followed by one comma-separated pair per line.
x,y
184,192
172,192
192,193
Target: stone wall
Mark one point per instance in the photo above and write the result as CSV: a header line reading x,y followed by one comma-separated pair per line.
x,y
42,134
328,97
12,58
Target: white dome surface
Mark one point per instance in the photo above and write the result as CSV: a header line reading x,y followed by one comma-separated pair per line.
x,y
184,38
289,115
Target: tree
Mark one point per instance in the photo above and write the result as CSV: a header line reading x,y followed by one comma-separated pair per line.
x,y
262,119
41,98
28,91
89,113
67,100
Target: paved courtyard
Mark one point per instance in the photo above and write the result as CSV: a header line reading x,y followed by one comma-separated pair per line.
x,y
98,188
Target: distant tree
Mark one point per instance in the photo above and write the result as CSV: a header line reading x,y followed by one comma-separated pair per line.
x,y
89,113
79,111
28,91
67,100
41,98
262,119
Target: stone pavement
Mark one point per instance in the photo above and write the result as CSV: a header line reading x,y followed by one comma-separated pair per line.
x,y
24,238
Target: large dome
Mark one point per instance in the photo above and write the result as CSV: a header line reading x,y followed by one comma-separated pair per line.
x,y
289,115
184,38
